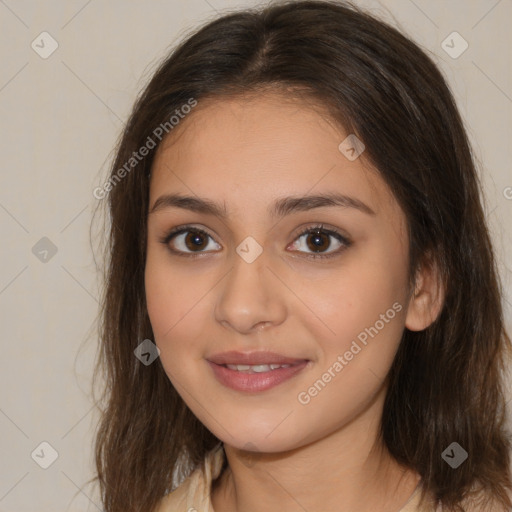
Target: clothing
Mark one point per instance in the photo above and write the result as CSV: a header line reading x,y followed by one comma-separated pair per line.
x,y
193,494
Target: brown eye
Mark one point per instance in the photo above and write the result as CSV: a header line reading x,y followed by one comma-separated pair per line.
x,y
188,240
318,240
195,241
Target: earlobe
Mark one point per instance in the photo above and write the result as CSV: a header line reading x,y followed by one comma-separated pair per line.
x,y
427,299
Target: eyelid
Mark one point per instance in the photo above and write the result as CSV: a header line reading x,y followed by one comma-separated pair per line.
x,y
310,229
180,230
327,230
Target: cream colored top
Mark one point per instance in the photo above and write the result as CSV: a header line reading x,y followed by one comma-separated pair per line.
x,y
193,494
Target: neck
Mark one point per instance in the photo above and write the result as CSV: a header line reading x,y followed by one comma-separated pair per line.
x,y
344,471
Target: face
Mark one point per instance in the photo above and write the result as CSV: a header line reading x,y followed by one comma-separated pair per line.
x,y
258,277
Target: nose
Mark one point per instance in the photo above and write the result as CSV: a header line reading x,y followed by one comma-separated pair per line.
x,y
250,298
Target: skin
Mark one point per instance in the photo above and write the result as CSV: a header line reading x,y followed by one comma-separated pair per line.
x,y
245,153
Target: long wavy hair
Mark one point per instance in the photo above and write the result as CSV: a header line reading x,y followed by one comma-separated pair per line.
x,y
447,382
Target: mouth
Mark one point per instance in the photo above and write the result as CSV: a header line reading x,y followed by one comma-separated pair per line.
x,y
254,378
253,359
256,368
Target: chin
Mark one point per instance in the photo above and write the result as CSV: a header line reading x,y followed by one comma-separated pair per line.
x,y
269,437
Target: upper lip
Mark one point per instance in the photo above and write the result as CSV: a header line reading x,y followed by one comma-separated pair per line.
x,y
252,358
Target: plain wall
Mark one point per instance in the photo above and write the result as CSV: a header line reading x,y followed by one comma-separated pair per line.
x,y
61,117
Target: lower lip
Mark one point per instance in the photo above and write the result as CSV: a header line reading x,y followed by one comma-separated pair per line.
x,y
254,382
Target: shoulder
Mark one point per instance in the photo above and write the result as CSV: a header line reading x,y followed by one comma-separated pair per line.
x,y
478,504
194,492
177,499
479,501
189,494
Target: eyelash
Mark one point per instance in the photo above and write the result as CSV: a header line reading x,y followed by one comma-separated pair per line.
x,y
309,230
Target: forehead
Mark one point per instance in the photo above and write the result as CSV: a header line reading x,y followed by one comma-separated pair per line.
x,y
259,147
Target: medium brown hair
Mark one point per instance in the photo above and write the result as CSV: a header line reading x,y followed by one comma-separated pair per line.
x,y
446,383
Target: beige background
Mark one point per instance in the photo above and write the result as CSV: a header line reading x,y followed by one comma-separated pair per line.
x,y
60,119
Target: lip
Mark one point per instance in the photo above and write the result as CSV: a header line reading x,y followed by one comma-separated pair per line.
x,y
251,358
254,382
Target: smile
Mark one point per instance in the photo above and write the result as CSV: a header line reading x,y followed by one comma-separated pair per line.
x,y
255,378
256,368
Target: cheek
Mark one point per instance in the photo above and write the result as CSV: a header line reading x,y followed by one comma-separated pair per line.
x,y
346,304
360,309
365,309
169,294
178,308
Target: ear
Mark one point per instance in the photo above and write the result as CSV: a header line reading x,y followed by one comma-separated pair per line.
x,y
427,299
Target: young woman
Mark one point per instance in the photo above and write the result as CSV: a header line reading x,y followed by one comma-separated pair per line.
x,y
302,309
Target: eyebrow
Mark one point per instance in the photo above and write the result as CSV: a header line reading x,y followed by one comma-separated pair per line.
x,y
280,208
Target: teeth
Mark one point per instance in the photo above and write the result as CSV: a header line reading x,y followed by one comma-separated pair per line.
x,y
256,368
